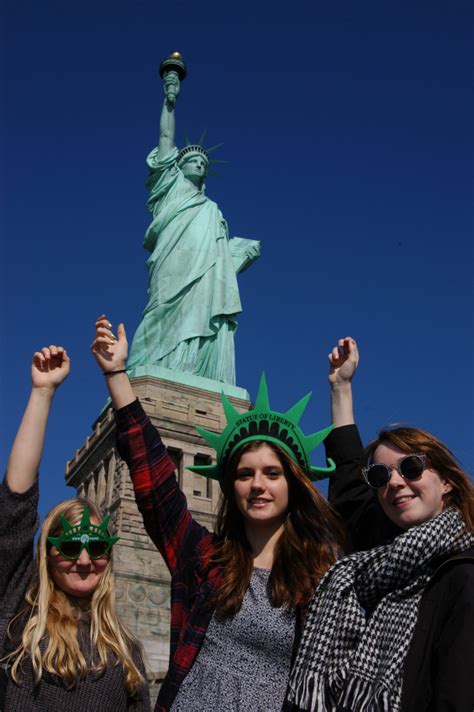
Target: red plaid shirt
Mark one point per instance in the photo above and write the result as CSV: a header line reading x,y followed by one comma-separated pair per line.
x,y
184,544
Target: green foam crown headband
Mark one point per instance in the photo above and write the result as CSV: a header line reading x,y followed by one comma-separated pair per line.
x,y
263,423
84,531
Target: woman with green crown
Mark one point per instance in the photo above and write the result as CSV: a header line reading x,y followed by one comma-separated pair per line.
x,y
63,647
238,595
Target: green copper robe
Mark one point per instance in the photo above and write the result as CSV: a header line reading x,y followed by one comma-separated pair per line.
x,y
193,297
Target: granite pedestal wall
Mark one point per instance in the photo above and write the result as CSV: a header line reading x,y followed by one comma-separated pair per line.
x,y
98,472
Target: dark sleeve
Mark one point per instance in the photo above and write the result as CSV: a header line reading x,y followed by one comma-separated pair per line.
x,y
18,525
162,504
349,494
453,654
141,702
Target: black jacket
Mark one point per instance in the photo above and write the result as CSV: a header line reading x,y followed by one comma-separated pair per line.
x,y
439,667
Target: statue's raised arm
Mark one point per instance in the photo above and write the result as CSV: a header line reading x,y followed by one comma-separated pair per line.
x,y
193,298
171,85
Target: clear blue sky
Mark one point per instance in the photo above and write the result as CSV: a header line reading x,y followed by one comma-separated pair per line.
x,y
347,128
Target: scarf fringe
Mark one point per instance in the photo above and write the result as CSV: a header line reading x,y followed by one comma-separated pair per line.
x,y
363,696
320,693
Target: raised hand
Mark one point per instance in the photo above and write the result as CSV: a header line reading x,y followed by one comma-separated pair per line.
x,y
109,351
50,367
171,86
343,361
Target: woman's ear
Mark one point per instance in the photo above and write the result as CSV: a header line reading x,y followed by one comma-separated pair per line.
x,y
447,487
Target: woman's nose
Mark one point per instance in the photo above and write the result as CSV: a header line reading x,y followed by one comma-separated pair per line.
x,y
396,480
83,559
257,481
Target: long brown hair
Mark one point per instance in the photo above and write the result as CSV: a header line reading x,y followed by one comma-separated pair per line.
x,y
439,458
309,544
50,615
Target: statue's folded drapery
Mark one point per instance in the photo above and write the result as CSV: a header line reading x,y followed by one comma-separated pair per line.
x,y
193,297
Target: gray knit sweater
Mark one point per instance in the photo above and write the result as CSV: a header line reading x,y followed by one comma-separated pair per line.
x,y
18,525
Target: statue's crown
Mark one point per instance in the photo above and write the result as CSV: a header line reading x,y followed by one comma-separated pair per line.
x,y
192,149
198,149
263,423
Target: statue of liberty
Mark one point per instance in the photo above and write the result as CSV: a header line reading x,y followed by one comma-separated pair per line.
x,y
189,321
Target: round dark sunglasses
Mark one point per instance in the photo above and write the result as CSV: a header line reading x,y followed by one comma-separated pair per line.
x,y
72,549
410,467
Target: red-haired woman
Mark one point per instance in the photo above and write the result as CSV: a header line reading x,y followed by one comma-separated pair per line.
x,y
391,628
237,594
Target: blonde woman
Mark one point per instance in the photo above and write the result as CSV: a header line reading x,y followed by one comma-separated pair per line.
x,y
62,645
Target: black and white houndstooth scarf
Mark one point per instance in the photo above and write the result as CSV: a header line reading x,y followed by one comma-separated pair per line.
x,y
361,620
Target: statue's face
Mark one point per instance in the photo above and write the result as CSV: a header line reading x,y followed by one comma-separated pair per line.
x,y
195,169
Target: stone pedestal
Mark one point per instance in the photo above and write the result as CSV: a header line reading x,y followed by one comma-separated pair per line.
x,y
97,471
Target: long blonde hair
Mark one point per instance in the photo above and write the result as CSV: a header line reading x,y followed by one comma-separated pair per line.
x,y
53,621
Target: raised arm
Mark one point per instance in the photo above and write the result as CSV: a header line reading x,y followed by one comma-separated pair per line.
x,y
159,498
49,368
349,495
343,362
171,86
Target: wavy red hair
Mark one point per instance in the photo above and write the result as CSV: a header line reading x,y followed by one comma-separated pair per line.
x,y
439,458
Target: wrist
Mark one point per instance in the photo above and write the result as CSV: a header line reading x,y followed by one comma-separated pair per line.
x,y
342,386
115,368
42,395
44,391
341,404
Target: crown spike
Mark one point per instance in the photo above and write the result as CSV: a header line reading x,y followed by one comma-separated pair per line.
x,y
212,439
202,137
312,441
104,524
85,520
230,412
296,411
65,524
262,403
211,471
214,148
